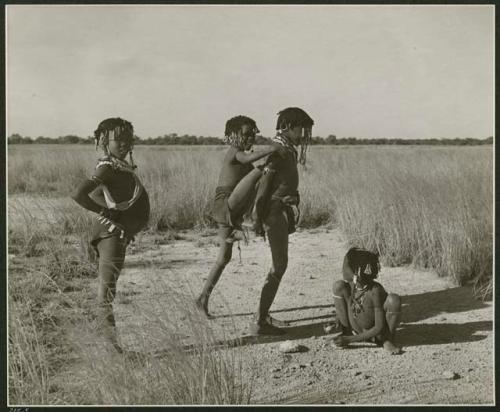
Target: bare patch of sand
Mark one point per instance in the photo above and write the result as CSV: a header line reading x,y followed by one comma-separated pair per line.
x,y
443,327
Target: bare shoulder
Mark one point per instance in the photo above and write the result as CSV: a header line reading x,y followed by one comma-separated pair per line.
x,y
103,171
230,158
377,288
274,159
377,293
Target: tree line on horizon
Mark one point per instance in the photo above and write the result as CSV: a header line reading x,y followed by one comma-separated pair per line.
x,y
175,139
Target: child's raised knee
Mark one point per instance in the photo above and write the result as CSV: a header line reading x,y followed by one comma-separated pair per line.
x,y
393,302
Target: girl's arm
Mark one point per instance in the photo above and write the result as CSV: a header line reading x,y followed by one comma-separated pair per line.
x,y
245,158
81,196
347,272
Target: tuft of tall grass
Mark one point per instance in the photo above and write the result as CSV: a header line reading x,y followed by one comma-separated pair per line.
x,y
40,287
43,169
172,357
181,185
43,310
28,363
428,206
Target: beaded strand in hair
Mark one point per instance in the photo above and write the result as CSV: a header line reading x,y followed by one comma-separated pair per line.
x,y
294,116
304,145
132,160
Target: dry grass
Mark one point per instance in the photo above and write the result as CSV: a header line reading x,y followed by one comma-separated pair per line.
x,y
45,270
28,363
52,322
430,206
427,206
173,357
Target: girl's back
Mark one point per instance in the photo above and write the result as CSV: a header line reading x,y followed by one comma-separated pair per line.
x,y
232,170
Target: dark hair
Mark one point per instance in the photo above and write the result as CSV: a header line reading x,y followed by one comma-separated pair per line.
x,y
364,262
122,129
292,117
233,126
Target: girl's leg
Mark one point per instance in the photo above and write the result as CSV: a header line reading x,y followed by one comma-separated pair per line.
x,y
243,193
223,258
111,258
341,294
277,232
392,308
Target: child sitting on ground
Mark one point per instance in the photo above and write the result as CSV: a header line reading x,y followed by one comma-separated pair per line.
x,y
365,311
126,212
234,194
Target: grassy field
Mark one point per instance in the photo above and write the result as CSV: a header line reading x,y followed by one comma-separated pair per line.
x,y
431,206
426,206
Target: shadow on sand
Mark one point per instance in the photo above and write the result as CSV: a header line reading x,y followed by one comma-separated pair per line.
x,y
442,333
292,333
427,305
430,304
231,315
415,308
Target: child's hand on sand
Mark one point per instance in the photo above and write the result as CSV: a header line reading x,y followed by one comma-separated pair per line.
x,y
340,340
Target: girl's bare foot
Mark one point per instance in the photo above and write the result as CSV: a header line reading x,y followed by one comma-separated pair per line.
x,y
202,306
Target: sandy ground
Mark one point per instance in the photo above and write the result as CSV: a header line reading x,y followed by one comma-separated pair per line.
x,y
443,328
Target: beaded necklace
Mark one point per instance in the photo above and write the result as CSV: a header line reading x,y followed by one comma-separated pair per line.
x,y
123,166
357,300
284,141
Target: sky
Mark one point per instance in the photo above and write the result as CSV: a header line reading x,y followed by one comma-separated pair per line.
x,y
361,71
